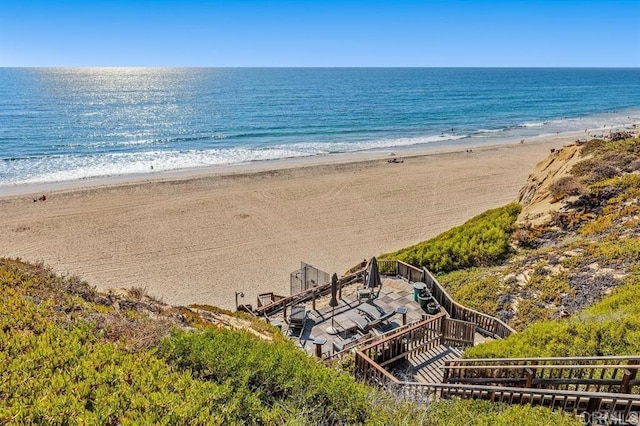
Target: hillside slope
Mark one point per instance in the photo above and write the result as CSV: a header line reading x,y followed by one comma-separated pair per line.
x,y
574,241
71,355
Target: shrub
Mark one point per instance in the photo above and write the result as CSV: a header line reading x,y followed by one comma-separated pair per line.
x,y
609,327
481,241
566,185
474,289
526,237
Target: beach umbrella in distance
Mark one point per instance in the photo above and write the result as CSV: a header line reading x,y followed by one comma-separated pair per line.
x,y
333,302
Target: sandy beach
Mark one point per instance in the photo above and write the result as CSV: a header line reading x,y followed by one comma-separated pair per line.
x,y
198,237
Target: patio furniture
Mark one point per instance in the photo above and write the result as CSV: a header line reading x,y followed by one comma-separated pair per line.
x,y
355,321
298,318
375,313
351,342
364,293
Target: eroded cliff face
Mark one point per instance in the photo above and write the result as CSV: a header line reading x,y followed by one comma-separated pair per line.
x,y
536,196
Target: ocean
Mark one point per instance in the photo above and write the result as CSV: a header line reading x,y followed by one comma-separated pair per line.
x,y
64,124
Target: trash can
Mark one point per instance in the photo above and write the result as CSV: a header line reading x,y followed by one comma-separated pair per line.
x,y
424,300
417,288
432,308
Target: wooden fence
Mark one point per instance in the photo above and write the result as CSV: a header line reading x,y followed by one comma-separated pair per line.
x,y
270,303
485,324
458,333
397,267
359,344
548,386
418,338
625,408
373,360
586,374
598,387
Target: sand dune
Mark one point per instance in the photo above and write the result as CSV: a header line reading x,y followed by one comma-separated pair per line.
x,y
199,238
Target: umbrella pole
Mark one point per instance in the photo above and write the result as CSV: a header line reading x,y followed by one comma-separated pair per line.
x,y
333,302
332,329
333,315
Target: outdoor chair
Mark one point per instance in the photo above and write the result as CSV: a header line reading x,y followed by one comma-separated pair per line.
x,y
356,322
368,293
375,313
352,342
364,293
298,317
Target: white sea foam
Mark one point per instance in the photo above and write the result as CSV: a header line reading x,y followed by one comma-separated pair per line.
x,y
77,167
59,168
539,124
490,130
315,148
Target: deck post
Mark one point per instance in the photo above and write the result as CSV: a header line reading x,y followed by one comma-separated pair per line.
x,y
593,405
319,342
445,374
443,329
531,374
629,374
313,303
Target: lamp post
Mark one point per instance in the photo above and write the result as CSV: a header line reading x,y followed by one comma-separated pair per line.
x,y
241,294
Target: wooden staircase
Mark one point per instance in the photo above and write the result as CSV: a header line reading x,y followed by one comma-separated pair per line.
x,y
428,353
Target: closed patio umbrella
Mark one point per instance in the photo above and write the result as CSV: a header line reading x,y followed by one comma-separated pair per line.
x,y
333,302
373,275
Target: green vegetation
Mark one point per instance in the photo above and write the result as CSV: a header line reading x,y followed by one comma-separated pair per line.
x,y
461,413
475,288
524,274
70,357
600,230
484,240
610,327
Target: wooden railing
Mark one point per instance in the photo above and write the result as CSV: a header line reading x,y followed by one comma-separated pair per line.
x,y
624,407
388,267
370,372
458,333
418,338
585,374
269,303
359,344
582,385
398,267
485,324
372,359
265,299
414,339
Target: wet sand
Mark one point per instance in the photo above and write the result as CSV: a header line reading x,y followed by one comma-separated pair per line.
x,y
199,236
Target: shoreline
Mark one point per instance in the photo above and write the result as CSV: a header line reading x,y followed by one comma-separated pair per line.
x,y
199,237
264,166
420,149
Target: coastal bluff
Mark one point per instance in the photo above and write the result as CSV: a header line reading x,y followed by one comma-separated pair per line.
x,y
537,196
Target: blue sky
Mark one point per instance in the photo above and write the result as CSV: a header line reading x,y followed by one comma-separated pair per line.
x,y
320,33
